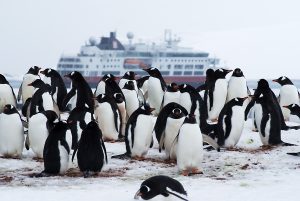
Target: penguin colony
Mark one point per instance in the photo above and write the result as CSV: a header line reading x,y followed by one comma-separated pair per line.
x,y
137,112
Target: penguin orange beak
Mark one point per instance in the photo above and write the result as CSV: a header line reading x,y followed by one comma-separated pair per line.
x,y
275,80
42,72
286,106
137,195
245,97
30,84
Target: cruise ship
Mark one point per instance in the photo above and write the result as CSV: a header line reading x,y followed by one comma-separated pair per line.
x,y
108,55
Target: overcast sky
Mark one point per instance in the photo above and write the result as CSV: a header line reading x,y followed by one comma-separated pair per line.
x,y
262,37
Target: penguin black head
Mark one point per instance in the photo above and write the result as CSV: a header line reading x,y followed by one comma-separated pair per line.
x,y
262,85
142,80
59,130
118,98
221,72
108,78
238,101
75,75
294,108
10,109
190,119
186,88
129,85
238,73
177,113
154,72
173,87
160,185
48,72
210,74
283,80
50,114
147,109
129,75
34,70
3,79
38,83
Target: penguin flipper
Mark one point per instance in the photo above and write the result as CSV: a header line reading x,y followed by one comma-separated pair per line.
x,y
264,121
167,192
27,144
20,92
211,142
152,142
104,149
65,145
248,108
294,154
68,97
74,152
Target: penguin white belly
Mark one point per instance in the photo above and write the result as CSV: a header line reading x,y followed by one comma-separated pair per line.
x,y
237,126
155,94
6,96
37,133
258,113
47,101
189,147
171,131
237,88
185,101
171,97
288,95
142,135
69,138
100,88
11,135
106,121
123,113
47,80
64,158
132,101
27,91
219,94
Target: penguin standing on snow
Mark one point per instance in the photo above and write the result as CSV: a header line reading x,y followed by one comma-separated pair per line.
x,y
11,133
138,133
167,126
237,86
219,94
56,150
41,99
7,95
189,147
58,87
108,117
268,116
161,185
26,91
156,89
80,89
91,154
288,95
77,121
231,122
172,94
131,98
38,130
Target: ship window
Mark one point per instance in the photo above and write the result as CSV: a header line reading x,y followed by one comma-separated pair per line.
x,y
198,73
107,60
177,66
169,66
188,66
116,73
188,72
171,60
93,73
177,72
91,60
97,66
87,66
199,66
164,72
100,60
166,60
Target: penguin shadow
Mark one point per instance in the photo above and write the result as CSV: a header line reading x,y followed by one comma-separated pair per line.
x,y
11,157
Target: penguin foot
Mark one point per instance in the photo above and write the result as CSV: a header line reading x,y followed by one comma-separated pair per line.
x,y
294,154
124,156
214,120
37,159
195,171
138,158
185,173
209,148
254,129
43,174
86,174
287,144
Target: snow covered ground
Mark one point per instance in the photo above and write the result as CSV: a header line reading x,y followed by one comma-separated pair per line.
x,y
249,172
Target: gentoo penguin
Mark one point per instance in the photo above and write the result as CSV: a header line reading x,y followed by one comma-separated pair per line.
x,y
237,86
156,89
120,100
208,87
172,94
101,86
294,109
7,95
38,130
167,126
189,147
108,116
41,99
56,150
91,154
219,94
128,76
161,185
11,132
26,91
80,89
268,116
142,84
288,95
131,98
231,122
78,119
138,133
58,87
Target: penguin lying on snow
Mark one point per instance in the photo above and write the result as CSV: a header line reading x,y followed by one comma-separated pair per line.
x,y
161,185
56,150
91,154
11,132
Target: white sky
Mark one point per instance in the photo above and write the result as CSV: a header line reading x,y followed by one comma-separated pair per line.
x,y
262,37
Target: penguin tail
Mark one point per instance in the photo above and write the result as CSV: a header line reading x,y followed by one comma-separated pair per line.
x,y
294,127
288,144
176,195
294,154
124,156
